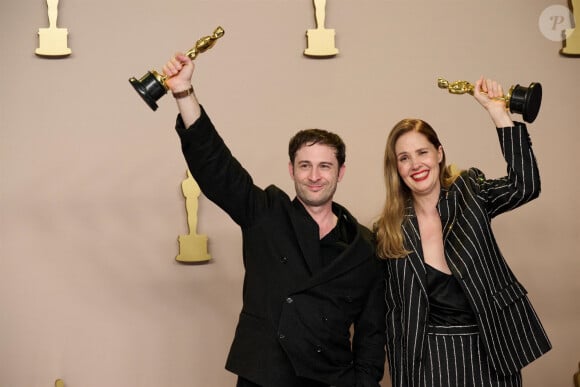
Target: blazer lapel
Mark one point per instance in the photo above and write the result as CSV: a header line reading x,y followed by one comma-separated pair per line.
x,y
306,232
357,252
447,207
413,243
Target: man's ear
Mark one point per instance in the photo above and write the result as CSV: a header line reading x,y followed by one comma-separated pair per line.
x,y
291,169
341,171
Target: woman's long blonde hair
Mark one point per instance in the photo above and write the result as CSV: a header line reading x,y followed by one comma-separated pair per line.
x,y
388,229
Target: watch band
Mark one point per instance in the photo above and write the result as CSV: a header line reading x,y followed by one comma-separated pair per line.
x,y
183,94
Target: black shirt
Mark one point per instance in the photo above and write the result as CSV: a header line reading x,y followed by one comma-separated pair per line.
x,y
448,304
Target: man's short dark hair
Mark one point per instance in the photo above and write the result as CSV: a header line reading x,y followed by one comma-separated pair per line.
x,y
309,137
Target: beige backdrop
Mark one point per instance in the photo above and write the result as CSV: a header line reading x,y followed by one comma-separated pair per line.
x,y
91,204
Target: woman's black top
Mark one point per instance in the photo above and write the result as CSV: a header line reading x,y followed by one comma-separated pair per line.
x,y
448,304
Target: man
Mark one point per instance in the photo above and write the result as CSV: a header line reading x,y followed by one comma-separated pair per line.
x,y
310,268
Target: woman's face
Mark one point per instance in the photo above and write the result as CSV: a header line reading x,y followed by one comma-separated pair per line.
x,y
418,163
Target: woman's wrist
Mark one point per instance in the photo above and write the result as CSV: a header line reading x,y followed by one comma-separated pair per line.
x,y
499,114
502,120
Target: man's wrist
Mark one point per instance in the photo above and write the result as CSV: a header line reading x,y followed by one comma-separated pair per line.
x,y
183,93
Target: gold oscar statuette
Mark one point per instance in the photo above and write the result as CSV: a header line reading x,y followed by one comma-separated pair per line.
x,y
52,40
572,40
192,247
152,85
320,40
521,100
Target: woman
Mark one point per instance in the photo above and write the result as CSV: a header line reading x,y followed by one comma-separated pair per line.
x,y
456,316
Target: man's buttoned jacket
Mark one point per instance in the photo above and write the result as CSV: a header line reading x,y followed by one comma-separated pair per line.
x,y
296,316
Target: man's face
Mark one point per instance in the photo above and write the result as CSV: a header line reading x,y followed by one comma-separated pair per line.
x,y
316,174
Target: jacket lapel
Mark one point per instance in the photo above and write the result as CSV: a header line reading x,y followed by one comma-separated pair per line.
x,y
447,207
306,232
448,211
357,252
413,241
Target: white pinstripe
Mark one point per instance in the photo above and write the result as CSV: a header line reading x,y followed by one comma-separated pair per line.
x,y
469,369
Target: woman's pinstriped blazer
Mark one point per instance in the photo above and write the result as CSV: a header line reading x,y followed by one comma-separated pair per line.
x,y
510,330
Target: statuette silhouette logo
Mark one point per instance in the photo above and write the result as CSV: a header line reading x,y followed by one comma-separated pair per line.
x,y
52,40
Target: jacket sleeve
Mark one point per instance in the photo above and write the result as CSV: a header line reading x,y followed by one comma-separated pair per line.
x,y
221,178
522,183
369,335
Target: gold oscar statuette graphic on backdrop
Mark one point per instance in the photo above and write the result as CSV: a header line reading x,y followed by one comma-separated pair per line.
x,y
152,85
192,247
58,383
572,40
52,40
320,40
521,100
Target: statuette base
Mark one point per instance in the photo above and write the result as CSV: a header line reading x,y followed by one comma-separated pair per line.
x,y
193,248
321,43
53,42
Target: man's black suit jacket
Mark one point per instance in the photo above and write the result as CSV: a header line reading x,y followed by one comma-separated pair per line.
x,y
296,317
